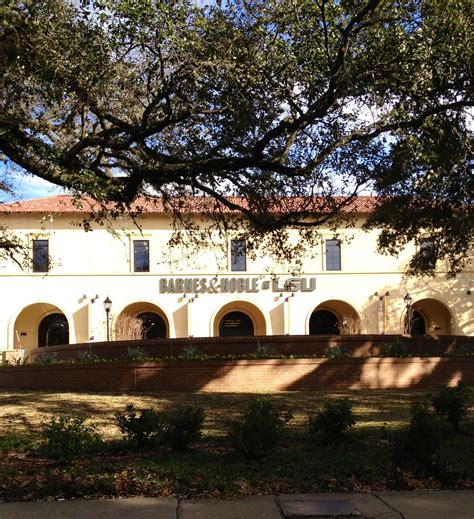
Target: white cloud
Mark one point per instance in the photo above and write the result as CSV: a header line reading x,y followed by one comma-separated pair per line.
x,y
27,186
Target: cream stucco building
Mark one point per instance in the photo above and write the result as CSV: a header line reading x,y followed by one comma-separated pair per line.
x,y
346,287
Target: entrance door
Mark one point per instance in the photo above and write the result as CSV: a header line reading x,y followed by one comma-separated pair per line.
x,y
53,330
154,326
323,322
236,324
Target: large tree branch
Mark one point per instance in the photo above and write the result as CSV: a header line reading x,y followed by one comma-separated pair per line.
x,y
320,107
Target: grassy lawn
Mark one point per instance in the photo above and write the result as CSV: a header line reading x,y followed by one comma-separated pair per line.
x,y
368,460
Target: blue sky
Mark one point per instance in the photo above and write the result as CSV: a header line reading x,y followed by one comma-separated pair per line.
x,y
27,186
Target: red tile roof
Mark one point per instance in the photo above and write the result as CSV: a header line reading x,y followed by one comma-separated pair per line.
x,y
66,204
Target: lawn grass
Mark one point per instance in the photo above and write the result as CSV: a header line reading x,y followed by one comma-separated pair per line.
x,y
368,460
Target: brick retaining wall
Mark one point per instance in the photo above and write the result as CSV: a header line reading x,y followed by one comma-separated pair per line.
x,y
358,345
245,375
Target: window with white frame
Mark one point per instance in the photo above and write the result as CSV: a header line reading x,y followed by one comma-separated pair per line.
x,y
333,254
40,256
427,253
238,255
141,255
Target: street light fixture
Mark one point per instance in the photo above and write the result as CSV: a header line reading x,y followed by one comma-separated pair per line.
x,y
107,308
408,299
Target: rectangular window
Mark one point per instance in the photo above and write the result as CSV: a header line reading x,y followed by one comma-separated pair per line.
x,y
141,256
333,255
427,254
238,253
40,256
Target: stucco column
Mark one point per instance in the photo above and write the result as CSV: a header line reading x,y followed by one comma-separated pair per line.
x,y
190,317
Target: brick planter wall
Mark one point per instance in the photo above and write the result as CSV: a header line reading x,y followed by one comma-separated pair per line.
x,y
245,375
358,345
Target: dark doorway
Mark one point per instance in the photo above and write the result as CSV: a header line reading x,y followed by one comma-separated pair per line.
x,y
323,322
53,331
418,325
236,324
154,326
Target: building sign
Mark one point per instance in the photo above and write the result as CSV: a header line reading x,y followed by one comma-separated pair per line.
x,y
227,285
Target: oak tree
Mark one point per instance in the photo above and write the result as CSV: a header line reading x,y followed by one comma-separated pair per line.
x,y
278,112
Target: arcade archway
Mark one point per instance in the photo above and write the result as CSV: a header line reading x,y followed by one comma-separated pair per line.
x,y
431,317
239,319
147,321
334,317
236,324
53,330
41,324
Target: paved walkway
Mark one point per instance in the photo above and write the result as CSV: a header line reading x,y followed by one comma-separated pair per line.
x,y
419,504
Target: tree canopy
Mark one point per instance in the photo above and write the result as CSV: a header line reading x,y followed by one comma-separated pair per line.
x,y
253,104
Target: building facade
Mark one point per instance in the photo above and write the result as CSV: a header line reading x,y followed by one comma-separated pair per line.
x,y
345,287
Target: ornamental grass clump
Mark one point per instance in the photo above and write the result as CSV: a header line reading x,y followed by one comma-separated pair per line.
x,y
331,422
260,429
66,438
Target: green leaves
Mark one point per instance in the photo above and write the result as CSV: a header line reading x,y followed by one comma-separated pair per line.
x,y
261,100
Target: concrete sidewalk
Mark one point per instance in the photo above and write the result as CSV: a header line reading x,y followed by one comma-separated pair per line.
x,y
419,504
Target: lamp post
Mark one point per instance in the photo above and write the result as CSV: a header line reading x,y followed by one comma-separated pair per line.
x,y
107,308
408,299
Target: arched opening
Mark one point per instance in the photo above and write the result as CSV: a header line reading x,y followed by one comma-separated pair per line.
x,y
431,317
141,320
154,326
334,317
323,322
236,324
53,330
41,324
239,318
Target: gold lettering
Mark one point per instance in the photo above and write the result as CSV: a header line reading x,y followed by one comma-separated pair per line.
x,y
163,286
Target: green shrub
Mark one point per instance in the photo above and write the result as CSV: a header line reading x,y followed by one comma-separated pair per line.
x,y
134,354
190,352
337,352
10,442
183,426
65,438
86,356
330,423
260,428
263,352
459,351
140,427
45,359
452,403
425,434
395,348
